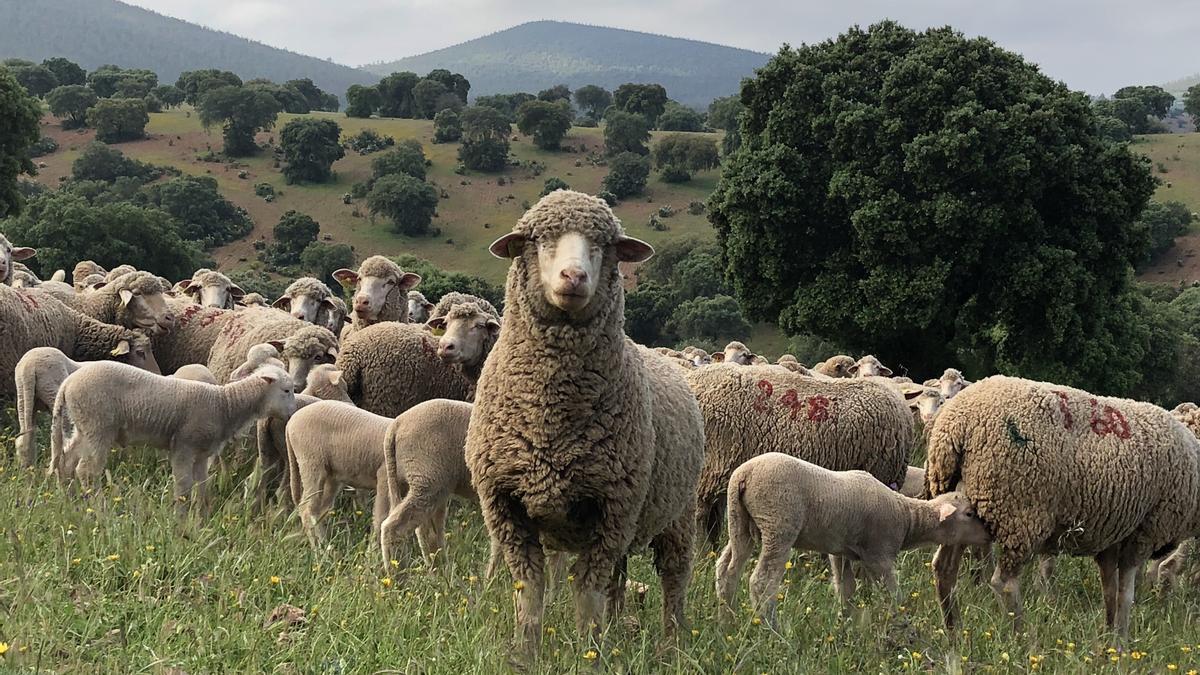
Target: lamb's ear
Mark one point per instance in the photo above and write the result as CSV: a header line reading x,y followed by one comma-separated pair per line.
x,y
885,371
332,353
945,511
633,250
269,378
718,357
409,281
429,306
493,327
284,302
126,296
121,349
852,369
509,246
437,325
277,344
335,377
346,277
236,292
23,253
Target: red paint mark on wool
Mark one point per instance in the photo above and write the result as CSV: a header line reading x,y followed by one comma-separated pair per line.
x,y
1109,421
792,401
27,300
188,313
765,389
818,409
1068,420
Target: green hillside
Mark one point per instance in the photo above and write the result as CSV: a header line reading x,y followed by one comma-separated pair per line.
x,y
541,54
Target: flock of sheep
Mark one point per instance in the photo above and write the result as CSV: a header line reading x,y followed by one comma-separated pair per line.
x,y
573,439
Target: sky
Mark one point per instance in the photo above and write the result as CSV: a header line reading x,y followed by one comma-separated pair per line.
x,y
1093,45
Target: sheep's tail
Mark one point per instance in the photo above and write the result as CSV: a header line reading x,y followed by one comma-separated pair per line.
x,y
57,460
26,387
395,491
742,529
943,456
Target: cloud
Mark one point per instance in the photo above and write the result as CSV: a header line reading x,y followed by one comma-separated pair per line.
x,y
1095,45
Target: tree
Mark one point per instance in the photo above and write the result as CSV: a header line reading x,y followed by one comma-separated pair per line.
x,y
1136,107
65,71
453,82
316,99
683,154
892,193
447,127
1113,130
362,101
713,319
593,100
322,260
1191,103
559,92
408,202
196,83
553,183
135,87
625,132
202,214
1164,221
294,232
507,104
242,113
436,282
407,159
680,118
547,122
71,103
396,94
647,310
100,162
485,139
723,112
38,80
290,99
627,174
18,132
426,95
109,81
118,119
169,95
647,100
310,147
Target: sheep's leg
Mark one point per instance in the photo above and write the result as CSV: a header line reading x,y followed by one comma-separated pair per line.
x,y
1166,571
945,577
1046,565
556,572
1106,560
90,456
517,538
616,588
710,519
182,470
381,507
435,537
885,571
844,585
494,558
768,574
316,500
200,482
412,514
1127,576
27,419
1006,583
673,550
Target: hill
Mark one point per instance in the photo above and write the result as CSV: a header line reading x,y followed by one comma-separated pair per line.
x,y
95,32
541,54
1178,87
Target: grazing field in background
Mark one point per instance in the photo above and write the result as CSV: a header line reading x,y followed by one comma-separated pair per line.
x,y
1175,160
111,583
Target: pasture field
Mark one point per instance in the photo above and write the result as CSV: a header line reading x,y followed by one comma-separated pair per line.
x,y
111,583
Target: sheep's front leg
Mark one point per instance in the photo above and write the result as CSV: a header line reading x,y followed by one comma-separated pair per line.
x,y
515,536
673,550
1006,583
182,467
945,577
200,480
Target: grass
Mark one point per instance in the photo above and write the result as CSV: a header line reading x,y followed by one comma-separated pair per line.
x,y
112,583
1180,155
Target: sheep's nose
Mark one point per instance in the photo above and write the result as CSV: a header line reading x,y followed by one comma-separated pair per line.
x,y
169,318
298,315
574,276
446,348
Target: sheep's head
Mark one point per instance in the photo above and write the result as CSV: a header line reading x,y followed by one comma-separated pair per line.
x,y
700,358
142,303
305,298
377,278
23,279
253,300
257,356
419,308
10,254
119,271
952,382
570,244
279,402
213,289
135,350
332,315
468,332
958,523
924,401
869,366
84,269
325,381
308,347
736,352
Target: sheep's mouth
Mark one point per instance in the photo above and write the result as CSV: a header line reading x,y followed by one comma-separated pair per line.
x,y
570,299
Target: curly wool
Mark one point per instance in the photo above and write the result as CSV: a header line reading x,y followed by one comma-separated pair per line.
x,y
395,306
454,299
308,343
834,366
389,367
84,269
104,304
251,327
309,286
196,331
206,278
565,211
253,300
119,271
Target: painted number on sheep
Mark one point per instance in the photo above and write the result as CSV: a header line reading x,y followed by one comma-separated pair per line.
x,y
817,408
1108,420
765,389
1068,420
186,317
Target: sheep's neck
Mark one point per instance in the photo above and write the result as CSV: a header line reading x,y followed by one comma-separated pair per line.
x,y
921,523
241,401
95,340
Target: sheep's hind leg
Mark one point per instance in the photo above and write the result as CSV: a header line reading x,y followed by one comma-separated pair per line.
x,y
1006,583
768,574
945,577
183,465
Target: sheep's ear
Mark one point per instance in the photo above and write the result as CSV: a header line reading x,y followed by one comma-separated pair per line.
x,y
332,353
885,371
277,344
236,292
409,281
509,246
98,285
493,327
284,302
852,369
718,357
346,277
633,250
269,378
945,511
437,325
429,306
335,377
121,349
327,303
126,296
23,253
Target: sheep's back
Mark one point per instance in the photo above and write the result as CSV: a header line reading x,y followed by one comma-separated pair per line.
x,y
192,338
30,319
389,367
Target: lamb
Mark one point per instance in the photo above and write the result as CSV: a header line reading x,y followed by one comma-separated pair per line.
x,y
333,317
118,272
196,373
381,292
1057,470
914,482
835,366
85,269
40,373
736,352
580,440
113,404
849,515
840,424
23,278
951,382
331,444
253,300
133,300
303,346
256,356
90,284
9,254
209,288
869,366
305,299
418,307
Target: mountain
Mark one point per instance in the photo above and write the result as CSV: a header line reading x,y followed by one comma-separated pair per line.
x,y
1181,85
541,54
95,32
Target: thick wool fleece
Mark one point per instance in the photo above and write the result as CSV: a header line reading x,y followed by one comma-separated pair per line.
x,y
84,269
250,327
389,367
105,304
454,299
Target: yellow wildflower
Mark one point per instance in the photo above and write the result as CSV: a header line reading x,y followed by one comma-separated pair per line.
x,y
518,585
3,648
386,581
616,651
756,621
590,655
472,579
695,632
114,557
150,548
788,565
1172,666
274,581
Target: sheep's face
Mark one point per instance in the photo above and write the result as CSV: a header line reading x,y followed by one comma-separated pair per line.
x,y
371,293
951,383
739,354
839,366
301,306
869,366
148,311
331,315
925,402
23,279
10,254
137,353
465,338
280,401
418,310
323,378
958,523
217,294
299,366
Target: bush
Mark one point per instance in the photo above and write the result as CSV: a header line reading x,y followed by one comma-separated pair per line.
x,y
696,208
627,174
553,184
408,202
485,139
436,282
677,117
677,156
293,233
368,141
675,174
608,197
71,104
407,159
310,147
203,214
44,146
101,162
321,260
447,127
547,122
1164,221
256,281
717,318
264,190
625,132
119,119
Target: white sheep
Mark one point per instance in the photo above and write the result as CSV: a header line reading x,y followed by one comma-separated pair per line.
x,y
195,372
418,307
869,366
9,254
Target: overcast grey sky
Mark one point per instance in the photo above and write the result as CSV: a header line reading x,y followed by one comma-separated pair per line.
x,y
1094,45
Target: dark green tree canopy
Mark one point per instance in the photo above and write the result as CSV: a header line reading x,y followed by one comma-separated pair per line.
x,y
322,260
313,95
294,232
19,116
1191,103
362,101
447,127
202,214
169,95
101,162
396,94
647,100
627,174
559,92
678,117
109,80
289,98
507,104
408,202
408,158
310,147
723,112
937,201
485,133
547,122
686,153
37,79
625,132
66,71
118,119
593,100
1137,107
197,83
427,94
242,113
70,103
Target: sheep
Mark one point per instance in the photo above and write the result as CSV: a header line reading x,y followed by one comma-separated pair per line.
x,y
389,367
256,356
848,515
196,373
40,373
331,444
700,357
113,404
305,298
20,278
1183,409
914,482
333,317
30,319
951,382
133,300
581,440
118,272
381,292
467,327
835,366
9,255
303,346
869,366
424,467
418,307
90,284
1057,470
209,288
85,269
839,424
736,352
253,300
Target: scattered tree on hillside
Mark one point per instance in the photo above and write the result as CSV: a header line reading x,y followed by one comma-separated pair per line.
x,y
1137,107
37,79
101,162
169,95
723,112
118,119
680,155
593,100
408,202
18,132
313,95
625,132
680,118
447,127
71,103
396,94
293,234
1191,103
368,141
1113,130
362,101
67,72
203,215
547,122
559,92
647,100
899,228
507,104
427,95
322,260
1164,221
289,98
310,147
627,174
408,159
485,139
454,83
196,83
242,113
109,81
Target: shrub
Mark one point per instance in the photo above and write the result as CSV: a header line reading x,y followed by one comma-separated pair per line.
x,y
408,202
44,146
408,158
119,119
627,174
447,127
368,141
310,146
553,184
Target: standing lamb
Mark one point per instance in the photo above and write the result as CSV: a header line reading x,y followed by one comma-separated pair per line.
x,y
418,307
580,440
9,254
381,292
112,404
848,515
1057,470
840,424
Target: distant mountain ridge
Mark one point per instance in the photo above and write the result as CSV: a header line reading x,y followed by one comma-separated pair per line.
x,y
95,32
541,54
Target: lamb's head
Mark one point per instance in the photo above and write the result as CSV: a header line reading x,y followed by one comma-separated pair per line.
x,y
468,330
736,352
869,366
924,401
305,298
253,300
119,271
377,283
700,358
141,302
84,269
308,347
325,381
257,356
566,250
10,254
279,401
20,278
836,366
418,307
333,315
1184,408
958,523
952,382
135,350
213,289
